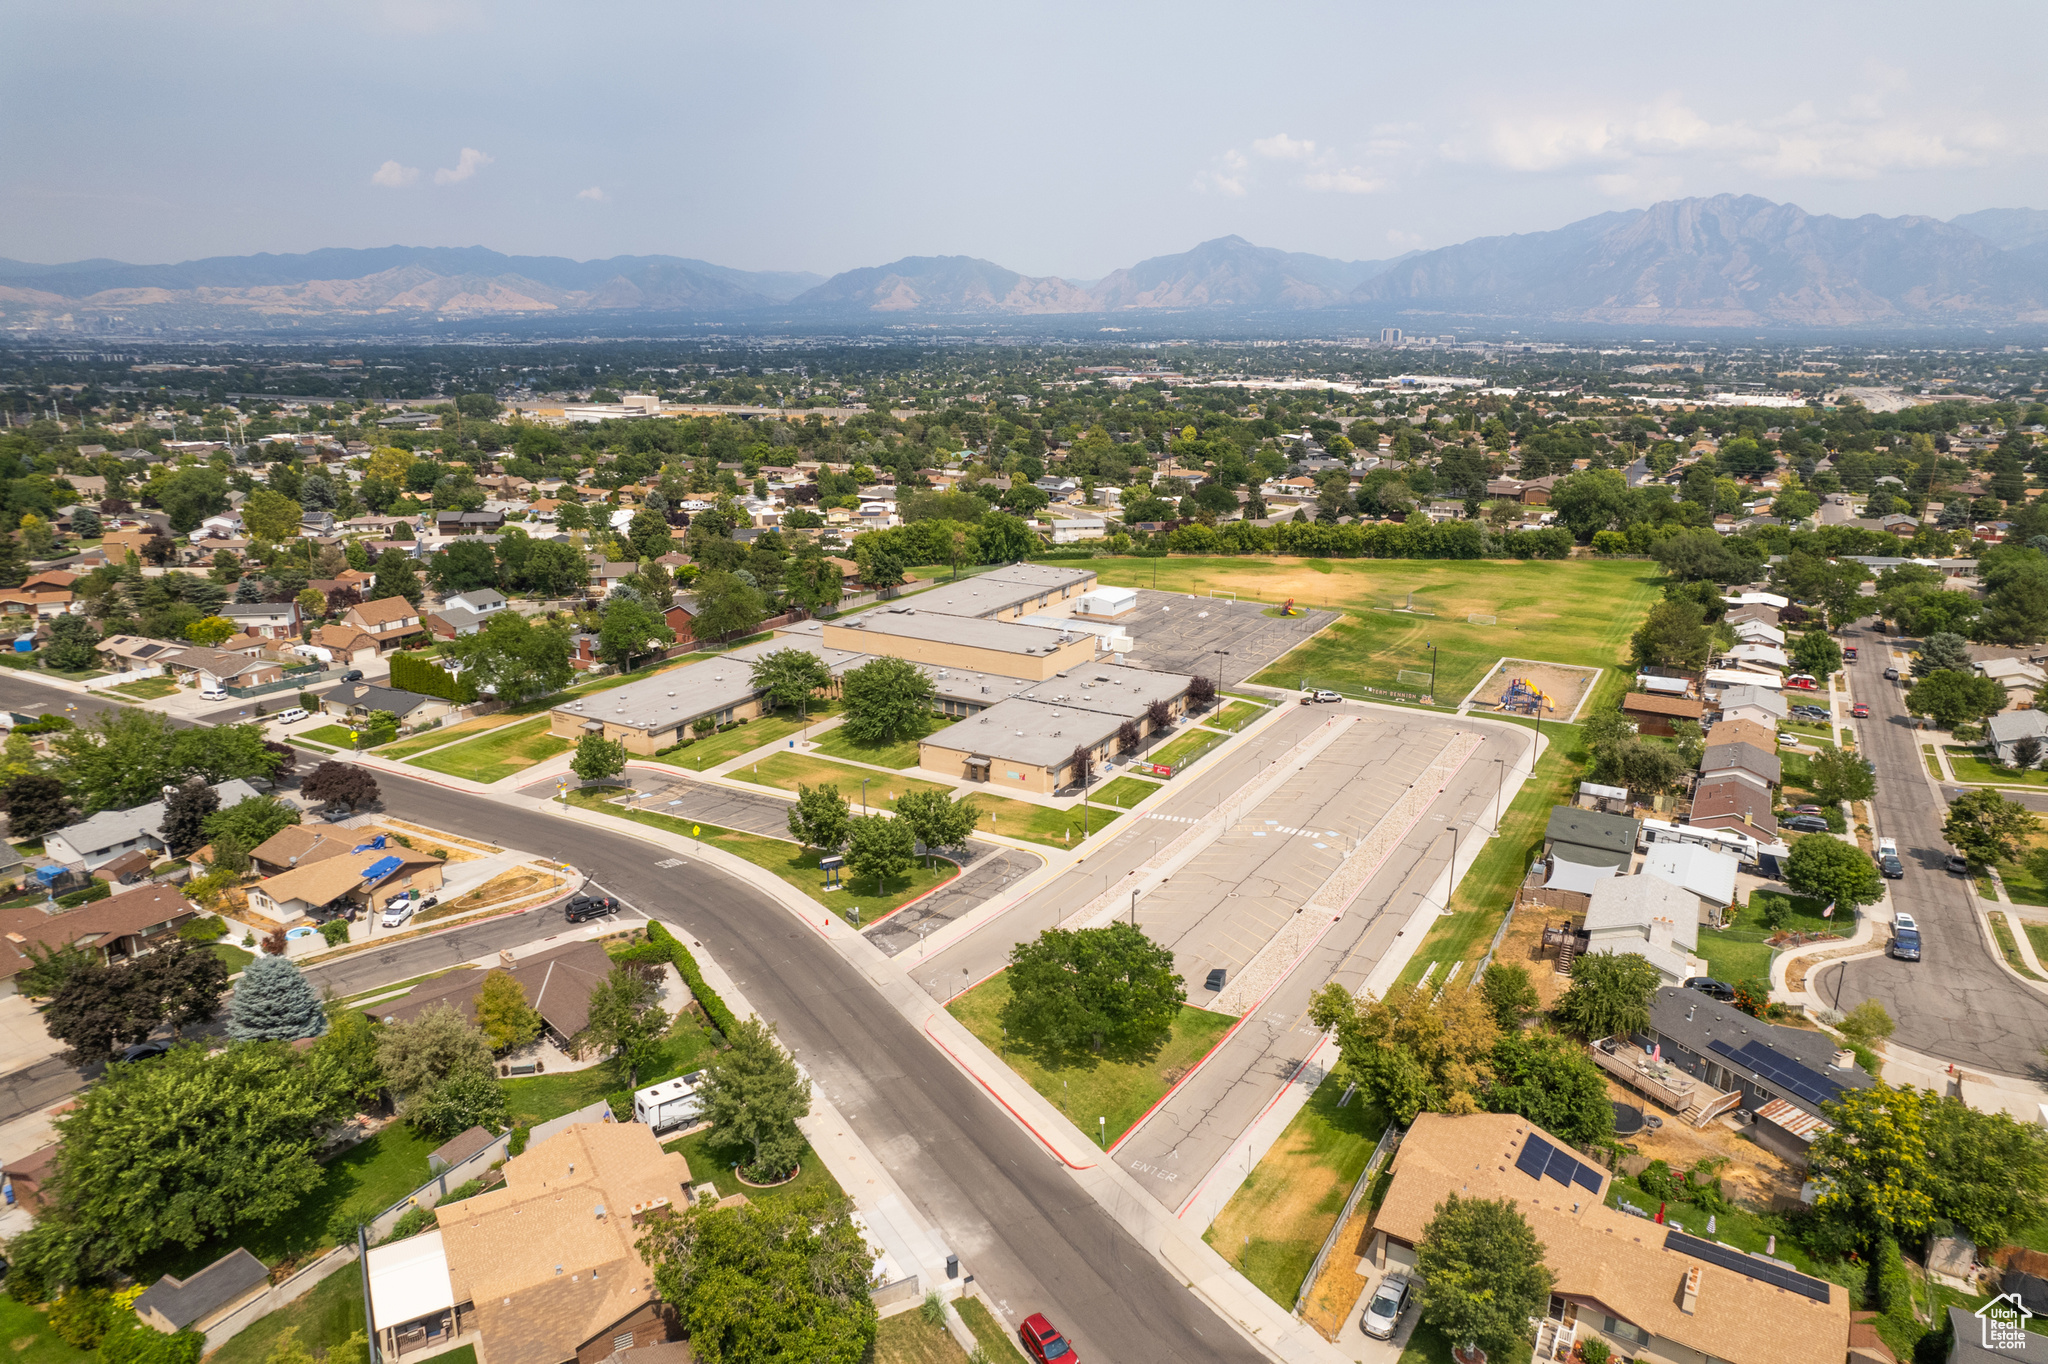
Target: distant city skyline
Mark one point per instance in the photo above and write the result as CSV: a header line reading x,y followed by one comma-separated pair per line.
x,y
1054,139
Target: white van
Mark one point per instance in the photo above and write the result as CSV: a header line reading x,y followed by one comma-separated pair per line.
x,y
398,911
292,716
216,692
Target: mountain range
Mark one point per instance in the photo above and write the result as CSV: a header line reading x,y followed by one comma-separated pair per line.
x,y
1729,260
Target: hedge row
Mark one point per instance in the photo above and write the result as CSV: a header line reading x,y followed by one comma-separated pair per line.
x,y
410,672
662,945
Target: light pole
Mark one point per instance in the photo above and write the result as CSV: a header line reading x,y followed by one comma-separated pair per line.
x,y
864,793
1134,906
1499,786
1432,670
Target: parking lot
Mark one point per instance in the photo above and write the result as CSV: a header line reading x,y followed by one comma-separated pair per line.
x,y
1213,637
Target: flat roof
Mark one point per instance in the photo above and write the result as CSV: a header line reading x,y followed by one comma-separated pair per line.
x,y
661,701
906,622
1109,688
409,1279
1031,733
999,589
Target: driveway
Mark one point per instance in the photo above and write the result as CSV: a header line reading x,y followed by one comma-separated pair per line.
x,y
1957,1002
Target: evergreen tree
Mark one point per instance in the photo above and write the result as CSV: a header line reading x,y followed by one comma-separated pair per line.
x,y
185,816
273,1002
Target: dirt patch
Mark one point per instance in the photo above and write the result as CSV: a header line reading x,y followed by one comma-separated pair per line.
x,y
1563,683
1523,946
1338,1289
1753,1177
509,885
416,832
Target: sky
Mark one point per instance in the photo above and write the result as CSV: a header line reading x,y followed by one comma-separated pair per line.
x,y
1054,139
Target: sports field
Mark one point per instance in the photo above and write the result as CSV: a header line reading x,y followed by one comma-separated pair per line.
x,y
1578,611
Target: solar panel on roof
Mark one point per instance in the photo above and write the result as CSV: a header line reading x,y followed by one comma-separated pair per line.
x,y
1535,1155
1787,1074
1588,1177
1562,1167
1750,1266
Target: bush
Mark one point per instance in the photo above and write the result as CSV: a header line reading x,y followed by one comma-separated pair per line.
x,y
1891,1289
98,890
467,1189
661,945
1595,1350
82,1316
1658,1181
131,1342
204,929
335,931
412,1222
309,703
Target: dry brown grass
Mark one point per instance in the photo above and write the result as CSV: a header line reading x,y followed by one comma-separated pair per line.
x,y
441,839
1336,1293
1753,1176
1523,946
427,840
506,885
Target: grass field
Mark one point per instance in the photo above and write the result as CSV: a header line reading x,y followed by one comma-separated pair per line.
x,y
31,1341
1272,1227
1124,792
1740,951
1000,1344
1119,1091
1233,715
1041,823
1011,818
1578,611
148,688
499,754
537,1098
2002,931
324,1318
1970,767
702,754
797,866
338,735
1178,753
902,753
907,1338
446,734
715,1164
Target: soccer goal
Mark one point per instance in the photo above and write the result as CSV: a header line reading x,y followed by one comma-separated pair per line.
x,y
1413,677
1475,618
1223,593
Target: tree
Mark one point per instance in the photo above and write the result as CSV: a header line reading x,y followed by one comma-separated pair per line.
x,y
175,1152
186,980
1550,1081
185,815
753,1095
1942,653
1080,765
886,700
597,758
813,583
1484,1266
1831,870
273,1003
727,605
767,1280
1953,699
1838,774
418,1054
1673,635
880,571
73,644
456,1104
2025,753
397,576
1609,996
788,678
554,570
1111,991
51,968
1589,501
120,760
97,1007
345,1059
464,566
504,1015
880,849
936,821
1201,691
630,631
1817,652
1413,1050
36,805
513,658
270,515
1873,1165
218,753
1509,995
209,631
333,783
1987,1173
251,820
1987,828
820,818
1868,1022
159,550
312,603
626,1018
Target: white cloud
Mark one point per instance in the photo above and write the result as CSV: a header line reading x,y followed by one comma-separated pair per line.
x,y
1342,182
1281,147
470,162
594,194
391,175
1226,177
1407,241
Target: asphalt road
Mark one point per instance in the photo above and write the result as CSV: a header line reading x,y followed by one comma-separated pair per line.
x,y
1956,1002
1033,1240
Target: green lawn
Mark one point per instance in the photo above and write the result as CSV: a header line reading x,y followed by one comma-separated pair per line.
x,y
537,1098
902,753
715,1164
1279,1218
1233,715
325,1317
1742,949
701,754
1119,1091
989,1333
1178,753
791,770
338,735
445,734
234,957
148,688
31,1341
1041,823
1970,767
797,866
1577,611
1124,792
907,1338
2002,931
499,754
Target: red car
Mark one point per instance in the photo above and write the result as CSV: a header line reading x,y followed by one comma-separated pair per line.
x,y
1044,1344
1862,710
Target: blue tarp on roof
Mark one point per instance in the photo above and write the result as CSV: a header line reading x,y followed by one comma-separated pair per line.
x,y
381,868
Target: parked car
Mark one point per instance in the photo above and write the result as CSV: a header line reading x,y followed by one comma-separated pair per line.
x,y
143,1051
583,907
1383,1312
213,693
1861,710
1807,810
1788,741
1807,824
1891,674
396,912
1956,862
1712,989
352,675
1905,943
292,716
1892,868
1310,695
1044,1344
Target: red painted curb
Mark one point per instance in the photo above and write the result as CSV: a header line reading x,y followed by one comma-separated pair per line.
x,y
1292,1076
1022,1121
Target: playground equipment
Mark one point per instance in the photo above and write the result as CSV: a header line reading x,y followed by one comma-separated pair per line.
x,y
1523,698
1288,608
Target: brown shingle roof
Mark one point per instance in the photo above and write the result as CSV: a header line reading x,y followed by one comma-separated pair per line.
x,y
1743,732
119,915
1732,801
1601,1255
295,845
330,878
557,982
385,610
1678,707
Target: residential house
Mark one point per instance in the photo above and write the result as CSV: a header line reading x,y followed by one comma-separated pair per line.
x,y
1752,615
344,884
469,522
394,622
1706,874
2023,681
298,845
545,1267
121,927
1648,917
2006,729
482,601
605,576
44,602
351,647
452,622
1760,763
1757,632
1657,714
1643,1290
1758,657
135,653
224,667
358,700
105,836
558,985
1744,732
265,620
1590,838
1733,800
1759,704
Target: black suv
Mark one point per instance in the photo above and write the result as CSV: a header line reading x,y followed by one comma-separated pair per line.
x,y
1712,989
582,907
1807,824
